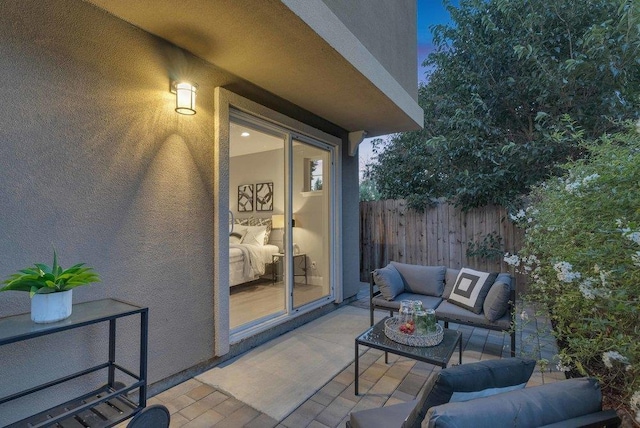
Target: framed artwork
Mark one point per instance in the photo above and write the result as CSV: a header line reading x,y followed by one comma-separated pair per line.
x,y
245,198
264,196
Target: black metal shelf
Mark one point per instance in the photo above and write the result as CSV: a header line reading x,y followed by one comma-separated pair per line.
x,y
106,406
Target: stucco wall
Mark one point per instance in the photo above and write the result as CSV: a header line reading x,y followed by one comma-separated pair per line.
x,y
94,161
388,30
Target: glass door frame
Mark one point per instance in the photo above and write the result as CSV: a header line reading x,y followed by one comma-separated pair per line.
x,y
227,102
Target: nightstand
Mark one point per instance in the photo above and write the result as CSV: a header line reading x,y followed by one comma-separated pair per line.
x,y
299,266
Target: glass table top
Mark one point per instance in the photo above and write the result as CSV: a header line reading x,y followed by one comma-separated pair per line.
x,y
374,337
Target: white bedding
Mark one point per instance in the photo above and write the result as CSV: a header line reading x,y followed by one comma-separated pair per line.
x,y
247,262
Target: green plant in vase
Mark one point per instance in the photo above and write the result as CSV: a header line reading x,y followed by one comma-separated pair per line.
x,y
50,287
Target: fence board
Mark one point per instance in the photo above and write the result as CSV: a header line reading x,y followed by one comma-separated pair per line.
x,y
439,236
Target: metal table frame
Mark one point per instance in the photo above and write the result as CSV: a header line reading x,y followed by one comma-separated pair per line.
x,y
374,337
20,327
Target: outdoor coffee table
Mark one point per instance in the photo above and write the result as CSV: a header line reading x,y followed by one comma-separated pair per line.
x,y
438,355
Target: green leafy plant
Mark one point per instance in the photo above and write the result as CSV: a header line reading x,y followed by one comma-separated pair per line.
x,y
42,279
582,256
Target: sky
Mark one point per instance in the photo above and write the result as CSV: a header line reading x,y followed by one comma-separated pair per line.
x,y
429,12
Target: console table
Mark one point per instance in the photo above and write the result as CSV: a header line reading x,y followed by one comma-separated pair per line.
x,y
299,266
105,407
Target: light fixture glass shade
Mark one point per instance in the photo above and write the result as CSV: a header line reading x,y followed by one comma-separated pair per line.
x,y
185,98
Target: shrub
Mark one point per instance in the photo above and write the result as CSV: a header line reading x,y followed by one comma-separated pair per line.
x,y
582,256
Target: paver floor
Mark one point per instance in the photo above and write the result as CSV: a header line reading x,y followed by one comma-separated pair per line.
x,y
195,404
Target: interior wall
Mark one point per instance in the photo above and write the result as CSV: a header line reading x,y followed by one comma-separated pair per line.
x,y
257,168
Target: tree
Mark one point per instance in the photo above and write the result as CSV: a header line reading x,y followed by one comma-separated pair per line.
x,y
513,87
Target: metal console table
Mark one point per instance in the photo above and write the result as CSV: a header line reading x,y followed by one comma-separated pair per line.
x,y
105,407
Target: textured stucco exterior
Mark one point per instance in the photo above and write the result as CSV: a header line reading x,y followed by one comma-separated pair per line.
x,y
388,30
95,162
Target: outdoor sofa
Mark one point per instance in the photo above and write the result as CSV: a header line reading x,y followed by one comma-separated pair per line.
x,y
492,394
463,296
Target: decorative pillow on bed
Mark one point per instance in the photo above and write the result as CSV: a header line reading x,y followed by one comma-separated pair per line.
x,y
252,221
236,237
255,235
471,288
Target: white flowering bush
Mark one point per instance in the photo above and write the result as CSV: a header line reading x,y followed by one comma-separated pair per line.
x,y
582,257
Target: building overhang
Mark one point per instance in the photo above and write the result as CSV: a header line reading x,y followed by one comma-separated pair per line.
x,y
298,51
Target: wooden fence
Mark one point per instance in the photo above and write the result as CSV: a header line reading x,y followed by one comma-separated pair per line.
x,y
439,236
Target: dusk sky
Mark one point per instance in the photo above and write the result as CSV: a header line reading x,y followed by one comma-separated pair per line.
x,y
429,12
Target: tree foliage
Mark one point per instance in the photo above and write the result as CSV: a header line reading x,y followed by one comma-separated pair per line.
x,y
512,87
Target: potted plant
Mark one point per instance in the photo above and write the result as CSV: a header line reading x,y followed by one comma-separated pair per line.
x,y
50,288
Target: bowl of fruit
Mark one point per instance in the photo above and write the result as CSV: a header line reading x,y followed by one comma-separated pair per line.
x,y
404,331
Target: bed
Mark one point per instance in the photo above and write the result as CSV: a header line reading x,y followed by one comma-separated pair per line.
x,y
250,250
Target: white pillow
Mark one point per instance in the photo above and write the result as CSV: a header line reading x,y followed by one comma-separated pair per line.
x,y
236,236
255,235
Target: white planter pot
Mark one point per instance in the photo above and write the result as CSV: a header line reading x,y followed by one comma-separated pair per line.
x,y
51,307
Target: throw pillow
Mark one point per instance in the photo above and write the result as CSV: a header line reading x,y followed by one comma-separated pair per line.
x,y
252,221
389,282
497,300
254,235
418,279
449,281
467,381
471,289
236,237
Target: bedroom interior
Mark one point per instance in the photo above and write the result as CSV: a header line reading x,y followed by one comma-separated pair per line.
x,y
275,266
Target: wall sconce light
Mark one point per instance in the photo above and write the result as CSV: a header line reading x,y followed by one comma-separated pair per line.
x,y
185,97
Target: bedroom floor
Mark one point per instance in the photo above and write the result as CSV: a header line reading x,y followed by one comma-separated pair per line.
x,y
261,298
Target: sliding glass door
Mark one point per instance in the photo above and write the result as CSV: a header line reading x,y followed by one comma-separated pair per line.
x,y
311,210
280,186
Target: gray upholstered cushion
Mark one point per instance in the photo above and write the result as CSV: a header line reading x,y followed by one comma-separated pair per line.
x,y
528,407
389,416
451,312
471,289
389,281
465,382
427,280
449,281
428,302
497,301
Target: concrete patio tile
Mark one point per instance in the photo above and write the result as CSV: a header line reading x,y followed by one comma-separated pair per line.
x,y
385,386
177,420
178,390
228,406
200,391
412,384
215,398
345,377
374,372
242,416
316,424
194,410
205,420
400,397
179,403
334,413
303,415
262,421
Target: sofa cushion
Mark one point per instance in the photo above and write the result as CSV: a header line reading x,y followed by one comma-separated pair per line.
x,y
389,416
428,302
449,281
467,381
389,281
528,407
427,280
497,301
450,312
471,289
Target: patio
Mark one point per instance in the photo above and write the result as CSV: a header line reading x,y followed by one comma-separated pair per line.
x,y
196,403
